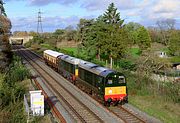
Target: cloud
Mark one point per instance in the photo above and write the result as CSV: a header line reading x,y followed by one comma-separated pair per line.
x,y
165,6
95,5
145,12
22,23
46,2
49,24
152,11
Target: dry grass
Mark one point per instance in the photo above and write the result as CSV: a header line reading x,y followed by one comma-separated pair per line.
x,y
67,44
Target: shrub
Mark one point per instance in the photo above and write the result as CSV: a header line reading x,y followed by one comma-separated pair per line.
x,y
17,72
101,63
12,92
126,64
71,53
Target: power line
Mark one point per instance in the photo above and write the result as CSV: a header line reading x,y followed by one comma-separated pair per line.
x,y
39,25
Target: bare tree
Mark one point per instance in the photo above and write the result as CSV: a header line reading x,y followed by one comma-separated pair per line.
x,y
166,26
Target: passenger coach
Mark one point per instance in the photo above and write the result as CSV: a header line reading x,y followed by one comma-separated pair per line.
x,y
51,58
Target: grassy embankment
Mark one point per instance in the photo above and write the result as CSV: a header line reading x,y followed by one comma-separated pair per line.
x,y
166,111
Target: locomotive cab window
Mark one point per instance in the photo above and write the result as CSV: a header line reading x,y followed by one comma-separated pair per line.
x,y
121,79
110,81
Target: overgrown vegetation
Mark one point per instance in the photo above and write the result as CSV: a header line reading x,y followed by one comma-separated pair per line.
x,y
12,91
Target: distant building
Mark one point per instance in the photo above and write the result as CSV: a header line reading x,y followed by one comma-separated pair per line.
x,y
161,54
176,66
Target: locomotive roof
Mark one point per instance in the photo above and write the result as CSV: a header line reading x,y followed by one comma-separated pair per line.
x,y
53,53
102,71
106,72
70,59
87,65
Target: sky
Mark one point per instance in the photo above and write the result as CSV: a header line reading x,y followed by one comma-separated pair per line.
x,y
58,14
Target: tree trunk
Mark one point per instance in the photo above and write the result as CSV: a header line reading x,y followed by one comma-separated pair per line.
x,y
111,62
99,52
106,63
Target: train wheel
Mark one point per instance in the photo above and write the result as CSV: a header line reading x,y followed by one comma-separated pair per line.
x,y
121,102
106,103
126,100
74,82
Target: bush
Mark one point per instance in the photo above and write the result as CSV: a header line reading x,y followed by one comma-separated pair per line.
x,y
28,44
141,85
16,113
12,92
126,64
17,72
172,91
101,63
35,46
71,53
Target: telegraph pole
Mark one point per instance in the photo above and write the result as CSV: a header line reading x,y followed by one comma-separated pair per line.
x,y
39,25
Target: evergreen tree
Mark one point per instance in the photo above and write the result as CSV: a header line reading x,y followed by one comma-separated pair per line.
x,y
104,36
111,16
114,44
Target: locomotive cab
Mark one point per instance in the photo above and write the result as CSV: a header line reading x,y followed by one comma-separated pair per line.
x,y
115,89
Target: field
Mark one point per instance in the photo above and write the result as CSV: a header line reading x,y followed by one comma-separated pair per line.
x,y
135,52
72,49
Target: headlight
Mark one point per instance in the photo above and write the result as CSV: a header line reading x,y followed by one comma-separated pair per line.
x,y
110,91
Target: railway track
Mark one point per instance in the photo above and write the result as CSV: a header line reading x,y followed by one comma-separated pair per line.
x,y
126,115
119,111
76,108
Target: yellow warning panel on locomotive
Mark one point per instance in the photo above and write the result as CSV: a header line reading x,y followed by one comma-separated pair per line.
x,y
76,72
115,90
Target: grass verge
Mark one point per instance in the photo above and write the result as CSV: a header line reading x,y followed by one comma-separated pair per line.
x,y
167,112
